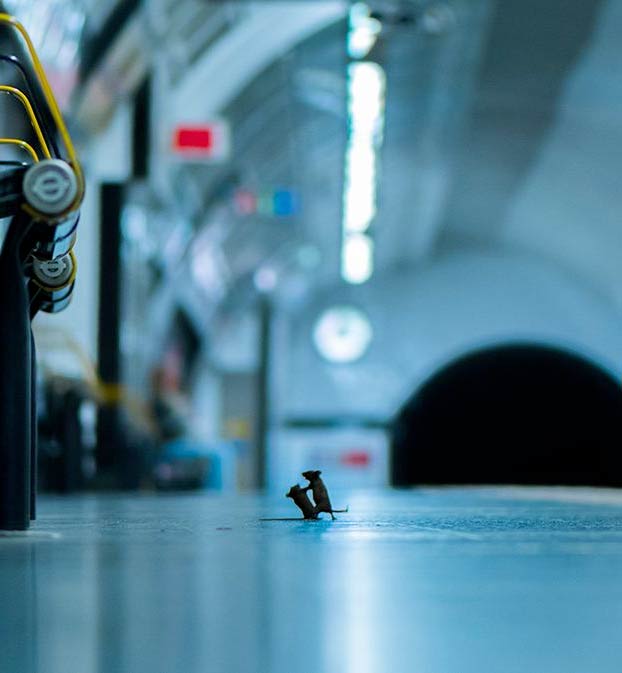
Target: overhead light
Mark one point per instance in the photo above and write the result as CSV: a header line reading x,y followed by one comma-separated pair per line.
x,y
265,279
366,84
363,32
357,258
366,113
359,199
366,103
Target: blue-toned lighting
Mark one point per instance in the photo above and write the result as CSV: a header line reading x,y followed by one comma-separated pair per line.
x,y
366,103
364,31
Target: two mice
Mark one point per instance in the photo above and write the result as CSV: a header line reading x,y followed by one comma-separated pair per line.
x,y
320,496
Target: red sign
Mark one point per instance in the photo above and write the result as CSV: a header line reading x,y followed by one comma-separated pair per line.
x,y
356,458
201,141
193,138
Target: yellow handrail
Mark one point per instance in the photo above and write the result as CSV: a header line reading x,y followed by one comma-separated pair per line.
x,y
23,144
21,96
9,20
103,393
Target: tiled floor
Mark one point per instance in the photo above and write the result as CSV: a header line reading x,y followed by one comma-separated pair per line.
x,y
428,581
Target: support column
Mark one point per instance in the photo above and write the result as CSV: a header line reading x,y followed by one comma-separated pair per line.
x,y
109,441
263,390
15,386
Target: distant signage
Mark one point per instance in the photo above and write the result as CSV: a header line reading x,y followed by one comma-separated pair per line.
x,y
202,142
285,202
281,202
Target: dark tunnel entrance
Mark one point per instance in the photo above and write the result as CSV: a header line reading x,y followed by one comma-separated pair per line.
x,y
512,414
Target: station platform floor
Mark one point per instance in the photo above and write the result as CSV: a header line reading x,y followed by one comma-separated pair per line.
x,y
475,580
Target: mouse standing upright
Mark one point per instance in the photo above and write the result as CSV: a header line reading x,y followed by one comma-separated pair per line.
x,y
320,493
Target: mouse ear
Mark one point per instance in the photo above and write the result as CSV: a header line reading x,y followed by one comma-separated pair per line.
x,y
318,472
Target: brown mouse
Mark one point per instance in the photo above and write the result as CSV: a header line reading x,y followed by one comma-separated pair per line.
x,y
300,497
320,493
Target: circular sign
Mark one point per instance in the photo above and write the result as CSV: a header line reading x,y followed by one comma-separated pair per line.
x,y
342,334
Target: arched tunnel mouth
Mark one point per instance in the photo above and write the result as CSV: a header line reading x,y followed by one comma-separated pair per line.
x,y
512,414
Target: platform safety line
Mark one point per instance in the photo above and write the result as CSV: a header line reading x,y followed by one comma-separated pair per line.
x,y
448,531
17,535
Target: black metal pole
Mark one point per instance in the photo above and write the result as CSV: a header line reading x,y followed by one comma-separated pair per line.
x,y
34,431
263,391
15,385
109,440
141,131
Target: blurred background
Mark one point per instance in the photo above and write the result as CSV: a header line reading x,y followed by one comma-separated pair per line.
x,y
379,239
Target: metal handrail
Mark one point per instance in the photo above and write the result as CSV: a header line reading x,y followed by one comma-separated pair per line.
x,y
23,99
23,144
55,112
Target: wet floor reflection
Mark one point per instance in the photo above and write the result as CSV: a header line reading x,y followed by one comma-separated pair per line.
x,y
437,583
19,600
180,608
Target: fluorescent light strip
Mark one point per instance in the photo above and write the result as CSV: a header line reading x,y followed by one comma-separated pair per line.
x,y
357,258
366,100
364,31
